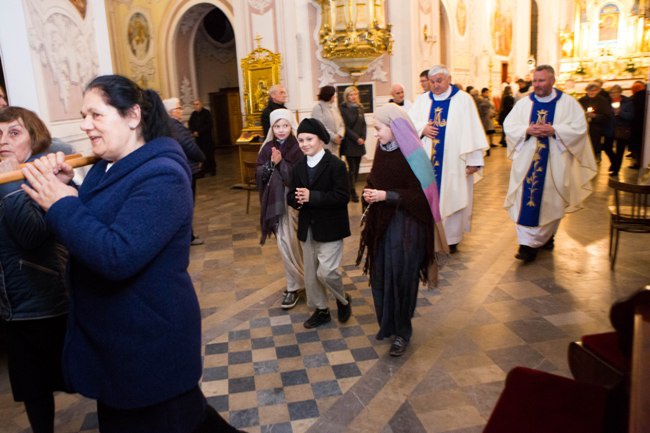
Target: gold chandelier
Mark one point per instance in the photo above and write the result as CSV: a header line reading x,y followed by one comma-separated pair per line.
x,y
353,33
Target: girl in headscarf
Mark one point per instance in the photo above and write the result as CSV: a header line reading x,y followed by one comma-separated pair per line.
x,y
275,162
402,232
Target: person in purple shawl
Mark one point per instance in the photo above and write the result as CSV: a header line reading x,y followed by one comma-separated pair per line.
x,y
402,233
279,153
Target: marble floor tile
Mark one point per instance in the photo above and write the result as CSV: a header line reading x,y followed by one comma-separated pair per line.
x,y
266,373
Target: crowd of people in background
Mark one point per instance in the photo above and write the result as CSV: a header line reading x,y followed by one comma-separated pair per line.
x,y
128,227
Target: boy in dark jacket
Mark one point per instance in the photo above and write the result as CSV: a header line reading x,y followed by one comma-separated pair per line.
x,y
320,191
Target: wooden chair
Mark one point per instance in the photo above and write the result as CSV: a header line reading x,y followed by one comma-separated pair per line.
x,y
250,181
629,213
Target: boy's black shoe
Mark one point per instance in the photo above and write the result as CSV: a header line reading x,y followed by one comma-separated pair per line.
x,y
320,317
345,311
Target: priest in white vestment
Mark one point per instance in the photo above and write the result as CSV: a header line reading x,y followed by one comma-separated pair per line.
x,y
447,121
552,162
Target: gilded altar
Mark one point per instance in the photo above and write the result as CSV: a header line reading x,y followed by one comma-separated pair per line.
x,y
353,33
607,40
261,70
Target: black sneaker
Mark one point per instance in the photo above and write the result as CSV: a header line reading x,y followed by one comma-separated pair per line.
x,y
320,317
290,299
453,249
398,347
345,311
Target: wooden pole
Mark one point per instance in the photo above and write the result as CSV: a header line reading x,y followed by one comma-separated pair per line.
x,y
75,160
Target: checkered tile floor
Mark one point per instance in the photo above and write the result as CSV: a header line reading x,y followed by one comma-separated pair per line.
x,y
273,373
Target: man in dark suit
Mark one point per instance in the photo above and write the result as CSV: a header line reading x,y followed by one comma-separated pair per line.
x,y
200,124
320,192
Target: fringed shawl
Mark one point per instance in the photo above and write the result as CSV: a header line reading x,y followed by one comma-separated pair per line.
x,y
410,174
272,179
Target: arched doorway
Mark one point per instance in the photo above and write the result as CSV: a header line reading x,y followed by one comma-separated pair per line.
x,y
202,63
201,50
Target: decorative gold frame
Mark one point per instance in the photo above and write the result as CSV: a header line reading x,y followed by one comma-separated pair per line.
x,y
261,70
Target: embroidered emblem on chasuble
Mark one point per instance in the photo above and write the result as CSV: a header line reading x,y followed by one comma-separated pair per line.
x,y
438,117
533,188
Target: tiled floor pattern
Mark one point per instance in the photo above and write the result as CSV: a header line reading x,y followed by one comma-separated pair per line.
x,y
267,373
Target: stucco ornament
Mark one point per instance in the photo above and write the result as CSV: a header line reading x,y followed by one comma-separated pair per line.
x,y
377,71
65,48
260,5
193,17
187,93
143,72
327,71
207,47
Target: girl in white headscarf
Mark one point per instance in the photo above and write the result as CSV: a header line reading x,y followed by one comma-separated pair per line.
x,y
275,162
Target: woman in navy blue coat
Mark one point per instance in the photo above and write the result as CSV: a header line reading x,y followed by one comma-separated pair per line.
x,y
134,334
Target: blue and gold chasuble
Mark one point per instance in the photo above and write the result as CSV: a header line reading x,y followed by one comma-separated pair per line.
x,y
531,200
438,115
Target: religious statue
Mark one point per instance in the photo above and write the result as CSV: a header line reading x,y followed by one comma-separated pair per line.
x,y
261,95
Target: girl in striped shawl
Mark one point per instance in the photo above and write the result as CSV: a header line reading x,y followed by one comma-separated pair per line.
x,y
402,233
